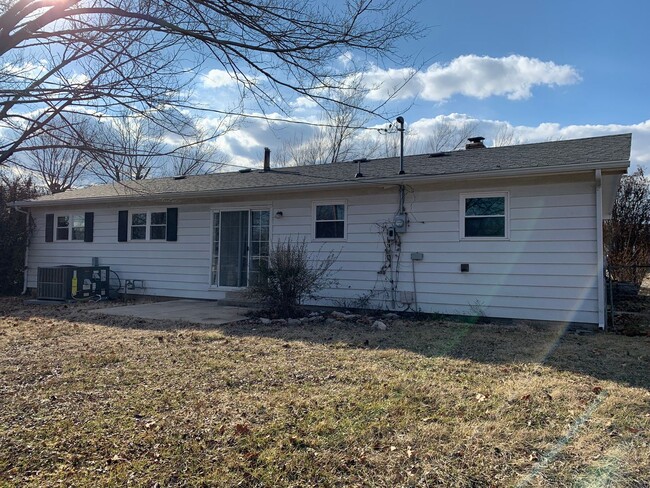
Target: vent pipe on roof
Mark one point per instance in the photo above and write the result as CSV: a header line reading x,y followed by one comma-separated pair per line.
x,y
359,161
475,143
267,159
400,129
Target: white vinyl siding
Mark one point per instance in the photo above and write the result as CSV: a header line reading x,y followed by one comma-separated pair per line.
x,y
546,270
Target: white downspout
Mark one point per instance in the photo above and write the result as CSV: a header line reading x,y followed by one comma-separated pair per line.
x,y
600,266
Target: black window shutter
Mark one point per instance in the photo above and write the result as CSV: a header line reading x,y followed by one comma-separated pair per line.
x,y
49,227
89,226
123,226
172,224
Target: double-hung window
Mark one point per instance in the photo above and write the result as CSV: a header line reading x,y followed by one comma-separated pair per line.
x,y
484,215
148,226
329,221
62,227
70,227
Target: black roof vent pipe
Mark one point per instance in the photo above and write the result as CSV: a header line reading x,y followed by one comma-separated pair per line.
x,y
400,129
267,159
359,161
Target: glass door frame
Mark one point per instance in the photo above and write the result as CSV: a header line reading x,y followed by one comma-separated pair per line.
x,y
214,278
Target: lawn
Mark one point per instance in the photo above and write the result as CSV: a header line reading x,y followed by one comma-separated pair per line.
x,y
89,400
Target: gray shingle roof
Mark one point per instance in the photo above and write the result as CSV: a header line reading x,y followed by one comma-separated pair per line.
x,y
545,156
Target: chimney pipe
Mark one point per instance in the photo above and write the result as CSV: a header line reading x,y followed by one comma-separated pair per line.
x,y
267,159
475,143
400,121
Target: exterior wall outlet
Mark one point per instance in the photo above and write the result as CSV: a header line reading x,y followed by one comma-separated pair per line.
x,y
417,256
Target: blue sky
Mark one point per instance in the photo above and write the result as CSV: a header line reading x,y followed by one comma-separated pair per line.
x,y
538,70
605,41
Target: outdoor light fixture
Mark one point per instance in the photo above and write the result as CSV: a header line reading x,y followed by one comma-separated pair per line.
x,y
278,214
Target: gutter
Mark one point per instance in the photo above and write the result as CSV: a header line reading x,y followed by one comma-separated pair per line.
x,y
600,265
616,166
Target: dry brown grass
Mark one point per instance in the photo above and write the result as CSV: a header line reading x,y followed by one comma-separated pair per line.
x,y
94,401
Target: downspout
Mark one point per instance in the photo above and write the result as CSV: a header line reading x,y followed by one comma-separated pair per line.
x,y
600,266
28,216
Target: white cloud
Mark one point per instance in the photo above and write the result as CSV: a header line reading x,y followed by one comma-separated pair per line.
x,y
78,79
218,78
346,58
470,75
28,71
303,103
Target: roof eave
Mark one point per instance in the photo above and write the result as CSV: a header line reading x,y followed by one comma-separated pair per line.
x,y
614,166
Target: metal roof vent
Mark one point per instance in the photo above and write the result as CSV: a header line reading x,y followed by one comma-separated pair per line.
x,y
438,155
475,143
359,161
180,177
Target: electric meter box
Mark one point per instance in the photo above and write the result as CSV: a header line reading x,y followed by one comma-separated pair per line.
x,y
400,223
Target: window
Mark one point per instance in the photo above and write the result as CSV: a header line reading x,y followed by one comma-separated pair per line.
x,y
148,225
78,227
158,227
62,227
138,226
484,216
70,227
143,225
330,221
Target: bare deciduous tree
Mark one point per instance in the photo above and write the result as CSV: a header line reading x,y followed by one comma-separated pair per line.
x,y
627,233
130,149
447,136
53,159
333,140
198,158
143,56
505,136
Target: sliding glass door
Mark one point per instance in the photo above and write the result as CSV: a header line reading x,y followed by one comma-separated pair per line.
x,y
240,245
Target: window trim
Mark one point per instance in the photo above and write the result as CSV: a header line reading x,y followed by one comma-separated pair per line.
x,y
318,203
484,194
147,225
70,227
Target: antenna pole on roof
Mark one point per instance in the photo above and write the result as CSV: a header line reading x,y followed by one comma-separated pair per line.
x,y
400,121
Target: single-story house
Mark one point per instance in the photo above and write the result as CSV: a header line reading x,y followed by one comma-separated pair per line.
x,y
511,232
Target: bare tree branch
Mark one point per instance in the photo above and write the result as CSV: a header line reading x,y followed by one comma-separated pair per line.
x,y
142,57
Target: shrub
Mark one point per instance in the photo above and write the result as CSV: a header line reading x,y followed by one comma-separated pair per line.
x,y
291,276
14,233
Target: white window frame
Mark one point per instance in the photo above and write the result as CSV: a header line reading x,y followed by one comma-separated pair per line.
x,y
320,203
147,225
492,194
71,220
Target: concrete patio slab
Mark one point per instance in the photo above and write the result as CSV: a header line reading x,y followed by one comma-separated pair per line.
x,y
194,311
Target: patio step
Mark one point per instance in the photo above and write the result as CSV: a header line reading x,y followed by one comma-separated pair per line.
x,y
238,299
